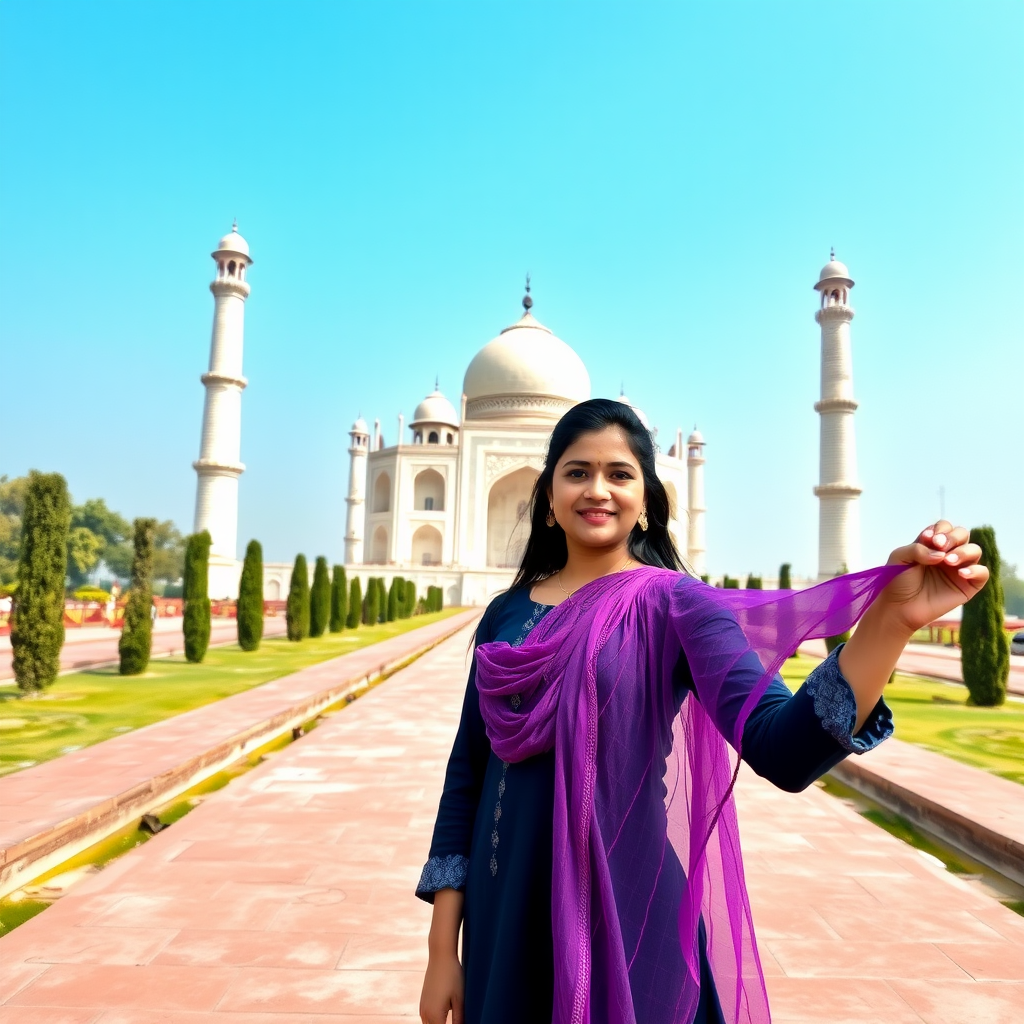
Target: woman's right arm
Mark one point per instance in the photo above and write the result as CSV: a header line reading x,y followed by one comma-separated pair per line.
x,y
443,984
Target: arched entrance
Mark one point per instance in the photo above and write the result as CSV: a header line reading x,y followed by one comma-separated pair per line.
x,y
382,493
426,546
428,491
508,518
379,554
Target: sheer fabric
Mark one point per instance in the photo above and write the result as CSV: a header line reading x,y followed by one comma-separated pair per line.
x,y
646,838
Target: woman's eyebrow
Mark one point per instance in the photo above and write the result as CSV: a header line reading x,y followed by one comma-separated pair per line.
x,y
611,465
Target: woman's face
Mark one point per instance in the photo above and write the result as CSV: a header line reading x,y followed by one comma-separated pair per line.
x,y
597,491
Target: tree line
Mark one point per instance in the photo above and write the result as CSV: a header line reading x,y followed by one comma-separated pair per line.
x,y
45,516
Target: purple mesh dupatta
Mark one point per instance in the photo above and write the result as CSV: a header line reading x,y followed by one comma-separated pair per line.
x,y
646,837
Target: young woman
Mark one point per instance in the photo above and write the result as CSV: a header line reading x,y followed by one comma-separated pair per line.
x,y
586,841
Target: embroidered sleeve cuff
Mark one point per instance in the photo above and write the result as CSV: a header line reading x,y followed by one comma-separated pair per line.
x,y
442,873
836,707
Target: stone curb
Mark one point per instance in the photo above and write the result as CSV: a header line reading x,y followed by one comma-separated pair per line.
x,y
1001,853
37,854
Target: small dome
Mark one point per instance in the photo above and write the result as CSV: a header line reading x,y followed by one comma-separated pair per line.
x,y
525,370
435,408
640,414
696,437
360,427
834,271
233,242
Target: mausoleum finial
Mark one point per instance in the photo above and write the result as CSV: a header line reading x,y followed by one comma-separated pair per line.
x,y
832,254
527,301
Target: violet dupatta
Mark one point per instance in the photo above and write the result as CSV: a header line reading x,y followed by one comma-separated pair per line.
x,y
646,838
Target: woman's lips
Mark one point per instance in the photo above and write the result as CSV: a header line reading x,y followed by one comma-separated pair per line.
x,y
595,516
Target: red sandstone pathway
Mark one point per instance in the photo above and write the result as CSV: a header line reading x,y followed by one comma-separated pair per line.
x,y
88,647
286,898
934,660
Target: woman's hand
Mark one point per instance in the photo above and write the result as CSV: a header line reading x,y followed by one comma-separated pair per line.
x,y
443,990
944,573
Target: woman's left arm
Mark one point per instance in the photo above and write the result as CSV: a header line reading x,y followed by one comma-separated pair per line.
x,y
944,573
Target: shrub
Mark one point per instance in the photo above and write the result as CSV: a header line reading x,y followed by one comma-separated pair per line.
x,y
832,642
297,607
195,586
137,635
250,599
355,604
91,594
382,600
984,647
410,598
320,599
371,604
754,582
785,583
728,583
393,600
37,620
339,600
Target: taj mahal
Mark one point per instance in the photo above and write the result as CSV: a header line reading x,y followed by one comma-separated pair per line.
x,y
447,505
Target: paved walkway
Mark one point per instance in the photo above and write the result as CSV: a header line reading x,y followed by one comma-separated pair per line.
x,y
286,898
97,645
59,801
933,660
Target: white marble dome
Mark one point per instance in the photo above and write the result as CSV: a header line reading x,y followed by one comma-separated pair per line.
x,y
696,437
525,371
833,271
360,427
435,408
233,242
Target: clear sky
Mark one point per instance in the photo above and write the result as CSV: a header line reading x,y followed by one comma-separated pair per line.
x,y
672,175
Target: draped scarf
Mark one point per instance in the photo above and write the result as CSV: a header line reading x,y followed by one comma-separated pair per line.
x,y
645,833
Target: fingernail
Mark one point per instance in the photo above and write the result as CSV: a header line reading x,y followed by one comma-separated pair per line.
x,y
952,559
966,571
939,539
928,532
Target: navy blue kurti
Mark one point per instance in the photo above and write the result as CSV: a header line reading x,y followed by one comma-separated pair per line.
x,y
494,828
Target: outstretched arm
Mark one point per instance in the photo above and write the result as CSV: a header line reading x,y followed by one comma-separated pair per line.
x,y
944,573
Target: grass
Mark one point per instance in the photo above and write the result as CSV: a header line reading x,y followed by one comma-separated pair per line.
x,y
936,716
88,707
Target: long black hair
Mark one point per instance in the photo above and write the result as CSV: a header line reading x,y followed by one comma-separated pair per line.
x,y
546,550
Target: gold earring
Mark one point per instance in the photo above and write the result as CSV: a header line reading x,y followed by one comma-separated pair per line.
x,y
550,518
642,520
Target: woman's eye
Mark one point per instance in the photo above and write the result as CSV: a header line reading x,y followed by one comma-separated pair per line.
x,y
575,474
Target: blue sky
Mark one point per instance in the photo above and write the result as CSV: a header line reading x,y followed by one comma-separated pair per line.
x,y
672,175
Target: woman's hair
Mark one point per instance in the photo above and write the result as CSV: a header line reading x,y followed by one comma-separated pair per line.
x,y
546,550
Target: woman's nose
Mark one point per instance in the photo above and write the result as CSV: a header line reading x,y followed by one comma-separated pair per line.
x,y
598,488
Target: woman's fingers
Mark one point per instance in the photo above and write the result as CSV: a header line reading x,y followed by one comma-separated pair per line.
x,y
965,554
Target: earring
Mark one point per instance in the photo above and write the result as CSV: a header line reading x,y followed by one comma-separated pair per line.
x,y
550,518
642,520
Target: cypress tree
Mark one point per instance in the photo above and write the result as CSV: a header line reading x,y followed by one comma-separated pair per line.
x,y
754,582
137,635
984,647
355,604
393,600
196,623
320,599
728,583
439,599
410,598
339,600
250,599
297,608
382,600
37,619
785,583
371,606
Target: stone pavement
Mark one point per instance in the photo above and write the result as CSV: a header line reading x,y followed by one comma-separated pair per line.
x,y
286,898
53,810
934,660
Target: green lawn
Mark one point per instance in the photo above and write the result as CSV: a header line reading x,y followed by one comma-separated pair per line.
x,y
87,707
937,717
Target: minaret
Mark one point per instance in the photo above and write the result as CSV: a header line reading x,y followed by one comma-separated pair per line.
x,y
838,489
356,499
696,545
219,466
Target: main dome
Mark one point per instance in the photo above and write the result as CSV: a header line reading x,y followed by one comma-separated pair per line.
x,y
525,372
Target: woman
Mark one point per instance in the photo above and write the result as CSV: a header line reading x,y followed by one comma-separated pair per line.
x,y
586,841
